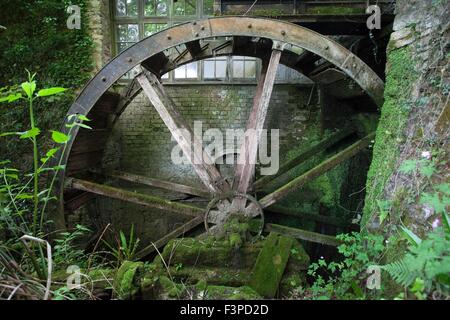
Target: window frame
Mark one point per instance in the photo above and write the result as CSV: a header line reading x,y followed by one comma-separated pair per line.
x,y
170,20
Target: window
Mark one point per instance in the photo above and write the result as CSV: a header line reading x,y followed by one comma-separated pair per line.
x,y
135,20
244,67
184,7
127,34
156,8
151,28
188,71
215,68
127,8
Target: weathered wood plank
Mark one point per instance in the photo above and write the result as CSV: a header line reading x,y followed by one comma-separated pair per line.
x,y
172,235
245,168
304,156
317,171
167,185
183,134
303,234
133,197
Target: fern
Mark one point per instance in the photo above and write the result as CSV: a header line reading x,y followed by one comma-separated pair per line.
x,y
429,261
401,272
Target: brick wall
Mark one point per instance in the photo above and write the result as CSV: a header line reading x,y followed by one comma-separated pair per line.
x,y
142,144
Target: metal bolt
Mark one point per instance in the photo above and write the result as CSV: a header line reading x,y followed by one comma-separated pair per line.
x,y
104,79
130,60
195,23
203,28
283,33
278,46
327,47
249,26
196,35
169,38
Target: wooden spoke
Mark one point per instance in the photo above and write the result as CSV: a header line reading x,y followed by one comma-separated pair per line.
x,y
317,171
134,197
172,235
183,134
167,185
245,169
303,234
301,158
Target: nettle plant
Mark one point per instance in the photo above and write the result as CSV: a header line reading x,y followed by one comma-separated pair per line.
x,y
23,200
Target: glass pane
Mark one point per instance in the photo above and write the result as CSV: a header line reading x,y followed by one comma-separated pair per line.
x,y
221,69
127,8
238,69
133,33
180,72
121,8
155,8
165,76
191,70
123,45
151,28
184,7
208,7
208,69
132,8
161,7
122,32
149,8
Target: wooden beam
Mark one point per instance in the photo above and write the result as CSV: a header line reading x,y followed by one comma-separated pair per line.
x,y
167,185
194,48
245,168
134,197
334,221
317,171
172,235
192,147
305,155
303,235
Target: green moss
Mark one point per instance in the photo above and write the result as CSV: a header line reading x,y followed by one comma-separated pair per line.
x,y
401,76
270,264
127,281
335,10
170,288
208,252
231,293
235,240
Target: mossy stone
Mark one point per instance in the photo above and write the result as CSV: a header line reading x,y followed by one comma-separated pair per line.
x,y
127,281
270,264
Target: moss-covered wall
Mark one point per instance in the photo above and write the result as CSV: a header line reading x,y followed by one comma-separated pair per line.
x,y
414,123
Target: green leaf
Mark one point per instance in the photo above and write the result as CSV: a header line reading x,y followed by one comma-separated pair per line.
x,y
446,221
5,134
30,133
29,88
427,171
83,118
49,154
11,98
59,137
408,166
50,91
412,238
82,125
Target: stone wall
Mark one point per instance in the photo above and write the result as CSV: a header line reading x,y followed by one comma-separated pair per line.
x,y
414,123
100,30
